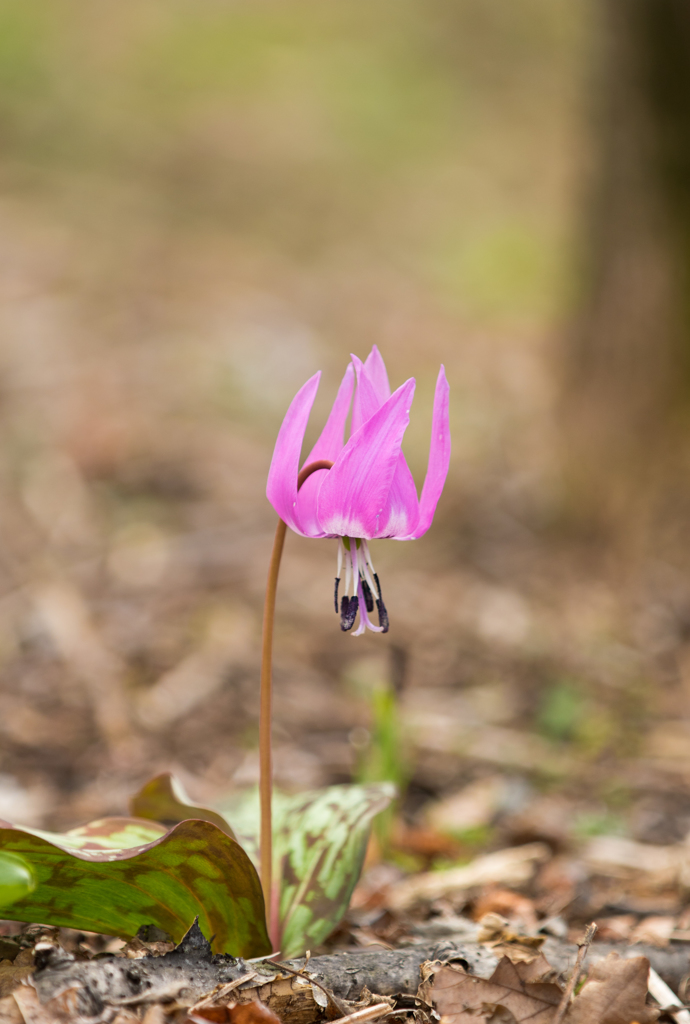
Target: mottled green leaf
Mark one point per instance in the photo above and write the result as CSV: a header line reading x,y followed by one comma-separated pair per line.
x,y
164,799
16,878
116,874
319,843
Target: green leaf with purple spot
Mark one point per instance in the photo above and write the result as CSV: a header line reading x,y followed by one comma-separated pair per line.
x,y
116,874
164,799
319,843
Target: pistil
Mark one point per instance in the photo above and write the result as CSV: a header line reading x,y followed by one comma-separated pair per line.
x,y
349,605
361,585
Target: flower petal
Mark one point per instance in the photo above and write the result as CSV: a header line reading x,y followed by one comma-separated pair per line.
x,y
330,443
366,400
354,492
281,488
401,513
439,459
376,371
328,446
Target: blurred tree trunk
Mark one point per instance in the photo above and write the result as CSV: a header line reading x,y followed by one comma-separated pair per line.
x,y
626,400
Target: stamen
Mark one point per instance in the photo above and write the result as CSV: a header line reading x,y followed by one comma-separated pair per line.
x,y
366,578
361,583
348,612
383,615
368,596
364,620
381,608
355,566
367,555
348,569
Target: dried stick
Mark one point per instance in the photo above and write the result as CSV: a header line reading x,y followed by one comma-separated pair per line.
x,y
265,757
667,998
302,973
223,991
368,1013
583,948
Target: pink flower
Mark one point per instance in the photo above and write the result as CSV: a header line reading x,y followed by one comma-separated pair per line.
x,y
368,493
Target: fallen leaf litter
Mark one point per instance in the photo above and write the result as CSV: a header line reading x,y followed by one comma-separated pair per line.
x,y
506,979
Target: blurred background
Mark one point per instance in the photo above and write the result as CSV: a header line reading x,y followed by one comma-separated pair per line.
x,y
205,201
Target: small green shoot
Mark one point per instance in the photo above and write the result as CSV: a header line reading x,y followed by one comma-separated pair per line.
x,y
562,710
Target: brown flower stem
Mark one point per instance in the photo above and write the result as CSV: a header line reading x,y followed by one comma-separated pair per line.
x,y
265,757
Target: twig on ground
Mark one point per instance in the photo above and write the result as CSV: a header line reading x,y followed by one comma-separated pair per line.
x,y
224,989
340,1007
667,998
368,1013
583,948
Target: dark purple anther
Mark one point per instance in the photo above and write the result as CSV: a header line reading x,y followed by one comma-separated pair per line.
x,y
349,607
381,608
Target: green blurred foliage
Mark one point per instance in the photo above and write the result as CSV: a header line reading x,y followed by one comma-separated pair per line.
x,y
604,823
384,758
307,124
383,751
562,710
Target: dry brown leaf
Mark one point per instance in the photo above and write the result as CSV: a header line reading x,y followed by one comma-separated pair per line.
x,y
30,1005
60,1010
12,973
155,1014
518,909
216,1014
492,927
472,806
615,993
123,1016
618,857
517,989
655,930
425,842
252,1013
518,952
615,929
135,949
10,1012
9,949
513,866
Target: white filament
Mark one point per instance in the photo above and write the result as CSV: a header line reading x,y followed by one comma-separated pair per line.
x,y
355,565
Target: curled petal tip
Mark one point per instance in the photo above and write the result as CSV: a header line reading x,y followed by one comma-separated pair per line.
x,y
439,457
281,487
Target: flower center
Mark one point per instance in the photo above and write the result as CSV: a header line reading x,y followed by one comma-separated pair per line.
x,y
362,580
